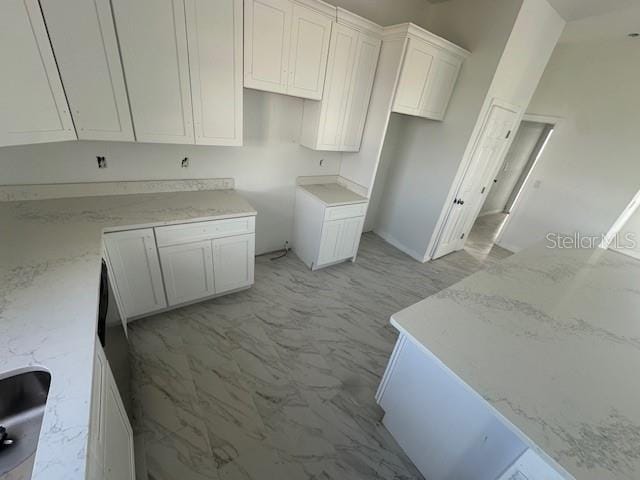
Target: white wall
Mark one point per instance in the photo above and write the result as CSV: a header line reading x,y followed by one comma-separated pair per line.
x,y
388,12
419,164
265,169
590,169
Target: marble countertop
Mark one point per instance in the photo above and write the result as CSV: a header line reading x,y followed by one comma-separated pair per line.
x,y
551,340
333,194
50,253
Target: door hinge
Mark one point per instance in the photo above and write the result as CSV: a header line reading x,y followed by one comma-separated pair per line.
x,y
483,189
461,236
508,134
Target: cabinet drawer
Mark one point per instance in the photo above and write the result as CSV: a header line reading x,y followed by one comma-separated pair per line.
x,y
195,232
345,211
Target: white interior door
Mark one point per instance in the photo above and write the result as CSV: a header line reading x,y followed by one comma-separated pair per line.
x,y
267,40
233,262
310,38
188,271
86,48
486,158
215,61
33,107
153,42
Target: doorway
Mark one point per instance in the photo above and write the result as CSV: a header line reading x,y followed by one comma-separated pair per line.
x,y
507,186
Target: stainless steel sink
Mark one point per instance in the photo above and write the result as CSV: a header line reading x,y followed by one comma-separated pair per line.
x,y
23,396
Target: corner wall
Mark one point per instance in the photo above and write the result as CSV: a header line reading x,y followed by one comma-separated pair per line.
x,y
511,44
590,169
419,164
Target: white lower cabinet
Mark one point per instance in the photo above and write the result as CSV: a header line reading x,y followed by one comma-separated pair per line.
x,y
111,455
187,262
135,271
325,235
233,262
188,271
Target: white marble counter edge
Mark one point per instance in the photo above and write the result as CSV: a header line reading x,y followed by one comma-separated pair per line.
x,y
332,204
515,429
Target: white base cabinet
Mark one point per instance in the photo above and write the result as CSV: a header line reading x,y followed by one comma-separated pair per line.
x,y
326,235
154,269
337,121
111,454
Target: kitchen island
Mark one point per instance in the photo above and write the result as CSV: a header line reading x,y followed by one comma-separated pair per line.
x,y
539,353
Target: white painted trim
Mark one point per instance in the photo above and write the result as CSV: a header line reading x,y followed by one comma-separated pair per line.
x,y
320,7
404,30
350,19
483,117
400,343
400,246
550,120
624,217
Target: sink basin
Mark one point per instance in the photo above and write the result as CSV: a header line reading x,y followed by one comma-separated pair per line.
x,y
23,396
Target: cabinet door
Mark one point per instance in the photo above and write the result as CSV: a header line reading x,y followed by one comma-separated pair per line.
x,y
339,77
153,41
349,238
136,270
215,59
233,262
310,37
118,436
188,271
413,78
329,242
267,38
95,465
440,87
33,107
360,93
84,41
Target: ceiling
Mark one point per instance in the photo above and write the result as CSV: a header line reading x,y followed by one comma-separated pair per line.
x,y
578,9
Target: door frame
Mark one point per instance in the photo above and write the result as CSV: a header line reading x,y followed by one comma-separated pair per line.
x,y
464,166
538,118
622,220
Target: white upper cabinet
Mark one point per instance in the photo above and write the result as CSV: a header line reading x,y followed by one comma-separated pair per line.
x,y
215,58
428,75
33,107
337,122
286,46
153,42
85,45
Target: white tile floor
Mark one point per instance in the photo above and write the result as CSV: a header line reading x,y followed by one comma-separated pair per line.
x,y
278,382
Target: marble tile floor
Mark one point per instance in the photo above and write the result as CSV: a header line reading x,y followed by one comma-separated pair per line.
x,y
278,381
482,237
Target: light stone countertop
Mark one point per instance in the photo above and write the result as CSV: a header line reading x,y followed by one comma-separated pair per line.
x,y
551,340
50,253
333,194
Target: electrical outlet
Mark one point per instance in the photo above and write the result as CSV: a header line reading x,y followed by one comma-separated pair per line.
x,y
185,162
102,161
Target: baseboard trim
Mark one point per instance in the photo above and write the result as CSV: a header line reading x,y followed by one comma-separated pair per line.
x,y
392,241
